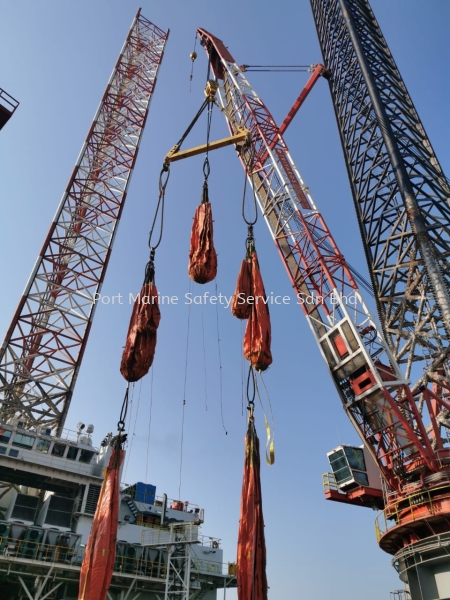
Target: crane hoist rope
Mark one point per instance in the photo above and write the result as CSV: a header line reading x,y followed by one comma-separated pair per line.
x,y
248,168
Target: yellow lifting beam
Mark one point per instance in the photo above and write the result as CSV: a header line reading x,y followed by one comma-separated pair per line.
x,y
242,137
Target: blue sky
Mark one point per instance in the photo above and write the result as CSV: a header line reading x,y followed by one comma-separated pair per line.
x,y
57,58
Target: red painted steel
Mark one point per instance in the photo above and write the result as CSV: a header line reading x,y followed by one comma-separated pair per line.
x,y
44,344
388,419
319,71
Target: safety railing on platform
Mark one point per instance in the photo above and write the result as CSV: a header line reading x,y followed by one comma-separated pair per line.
x,y
208,541
32,550
132,559
400,595
412,508
205,566
329,483
157,534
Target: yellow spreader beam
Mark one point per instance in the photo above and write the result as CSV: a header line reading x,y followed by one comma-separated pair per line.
x,y
243,136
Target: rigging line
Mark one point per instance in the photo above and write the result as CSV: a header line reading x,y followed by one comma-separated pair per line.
x,y
242,369
193,57
208,125
130,416
160,205
276,66
276,71
134,431
181,453
208,70
251,378
127,404
220,364
206,169
206,165
123,410
268,398
204,362
248,174
149,426
184,391
270,443
194,121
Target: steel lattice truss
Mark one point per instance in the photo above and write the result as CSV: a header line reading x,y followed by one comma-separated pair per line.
x,y
400,193
44,345
371,386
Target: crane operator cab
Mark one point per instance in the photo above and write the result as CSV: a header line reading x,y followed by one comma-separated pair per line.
x,y
353,467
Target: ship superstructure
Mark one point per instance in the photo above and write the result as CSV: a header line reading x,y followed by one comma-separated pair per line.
x,y
48,496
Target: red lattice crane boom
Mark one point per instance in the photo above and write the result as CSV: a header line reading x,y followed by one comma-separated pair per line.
x,y
43,347
399,425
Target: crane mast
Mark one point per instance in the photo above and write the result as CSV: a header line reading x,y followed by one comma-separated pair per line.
x,y
399,425
401,197
43,347
400,193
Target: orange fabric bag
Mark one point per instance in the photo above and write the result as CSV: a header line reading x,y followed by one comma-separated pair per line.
x,y
99,556
258,336
239,306
202,266
139,351
251,555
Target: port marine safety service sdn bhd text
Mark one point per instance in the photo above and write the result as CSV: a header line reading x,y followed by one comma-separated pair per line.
x,y
223,300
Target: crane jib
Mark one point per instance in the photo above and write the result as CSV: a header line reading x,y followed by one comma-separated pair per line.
x,y
372,388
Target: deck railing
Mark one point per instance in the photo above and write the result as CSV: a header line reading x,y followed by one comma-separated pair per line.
x,y
132,559
412,508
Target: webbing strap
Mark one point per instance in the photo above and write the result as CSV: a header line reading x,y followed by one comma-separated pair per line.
x,y
270,431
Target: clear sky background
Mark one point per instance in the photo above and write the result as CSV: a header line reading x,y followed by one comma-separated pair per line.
x,y
56,59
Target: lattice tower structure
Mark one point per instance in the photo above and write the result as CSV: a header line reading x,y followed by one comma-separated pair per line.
x,y
401,196
400,427
400,193
43,348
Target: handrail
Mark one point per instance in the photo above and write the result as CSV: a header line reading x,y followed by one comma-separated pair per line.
x,y
406,509
133,559
329,482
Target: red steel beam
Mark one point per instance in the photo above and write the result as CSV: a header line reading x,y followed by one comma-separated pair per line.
x,y
319,71
44,345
